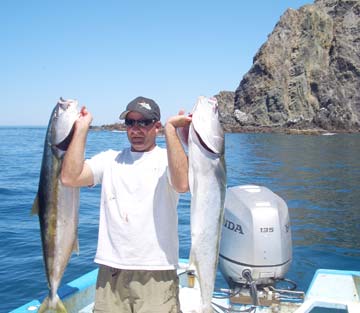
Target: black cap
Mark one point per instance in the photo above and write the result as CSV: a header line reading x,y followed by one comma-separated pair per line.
x,y
145,106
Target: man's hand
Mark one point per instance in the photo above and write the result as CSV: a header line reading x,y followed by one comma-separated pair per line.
x,y
180,120
84,120
75,172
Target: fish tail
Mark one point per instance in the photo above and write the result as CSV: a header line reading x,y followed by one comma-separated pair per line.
x,y
49,305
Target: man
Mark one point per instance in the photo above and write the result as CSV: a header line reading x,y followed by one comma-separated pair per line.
x,y
137,248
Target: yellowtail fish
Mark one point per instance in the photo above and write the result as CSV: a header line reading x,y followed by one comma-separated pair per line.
x,y
57,205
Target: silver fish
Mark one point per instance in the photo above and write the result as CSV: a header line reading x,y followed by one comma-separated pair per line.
x,y
57,205
207,180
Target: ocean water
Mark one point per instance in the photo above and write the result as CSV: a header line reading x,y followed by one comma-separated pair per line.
x,y
317,176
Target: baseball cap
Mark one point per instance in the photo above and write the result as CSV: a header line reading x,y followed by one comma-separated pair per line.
x,y
145,106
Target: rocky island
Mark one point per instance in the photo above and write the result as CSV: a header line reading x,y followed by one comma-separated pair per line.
x,y
305,78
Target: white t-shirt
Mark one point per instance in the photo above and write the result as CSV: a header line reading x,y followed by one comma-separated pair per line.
x,y
138,216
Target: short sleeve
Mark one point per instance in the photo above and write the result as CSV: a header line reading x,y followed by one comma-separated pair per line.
x,y
98,163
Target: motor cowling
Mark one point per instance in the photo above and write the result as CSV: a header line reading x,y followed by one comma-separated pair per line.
x,y
256,236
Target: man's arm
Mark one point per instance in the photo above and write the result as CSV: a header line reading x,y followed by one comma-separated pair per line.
x,y
75,172
177,158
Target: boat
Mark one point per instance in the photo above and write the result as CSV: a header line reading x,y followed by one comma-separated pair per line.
x,y
254,257
329,289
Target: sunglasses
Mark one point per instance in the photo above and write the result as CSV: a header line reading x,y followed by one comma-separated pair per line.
x,y
140,123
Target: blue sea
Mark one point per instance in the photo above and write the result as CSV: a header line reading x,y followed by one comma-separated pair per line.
x,y
317,176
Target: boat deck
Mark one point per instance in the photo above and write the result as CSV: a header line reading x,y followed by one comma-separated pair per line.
x,y
336,290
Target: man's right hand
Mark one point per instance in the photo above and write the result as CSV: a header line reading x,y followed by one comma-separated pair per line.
x,y
84,120
75,172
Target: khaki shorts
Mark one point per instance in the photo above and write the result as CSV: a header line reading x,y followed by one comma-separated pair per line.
x,y
136,291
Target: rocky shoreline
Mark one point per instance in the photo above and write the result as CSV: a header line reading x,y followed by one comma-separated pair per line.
x,y
245,129
110,127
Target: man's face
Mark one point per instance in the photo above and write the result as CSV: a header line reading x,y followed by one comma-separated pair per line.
x,y
142,138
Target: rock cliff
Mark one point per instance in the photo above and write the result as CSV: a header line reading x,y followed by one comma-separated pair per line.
x,y
307,74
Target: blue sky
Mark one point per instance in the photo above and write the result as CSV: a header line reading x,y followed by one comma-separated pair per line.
x,y
105,53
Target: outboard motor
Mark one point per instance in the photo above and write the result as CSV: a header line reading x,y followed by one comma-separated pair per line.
x,y
256,241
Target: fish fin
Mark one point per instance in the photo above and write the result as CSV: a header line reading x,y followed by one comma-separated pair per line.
x,y
46,306
35,207
76,246
60,307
